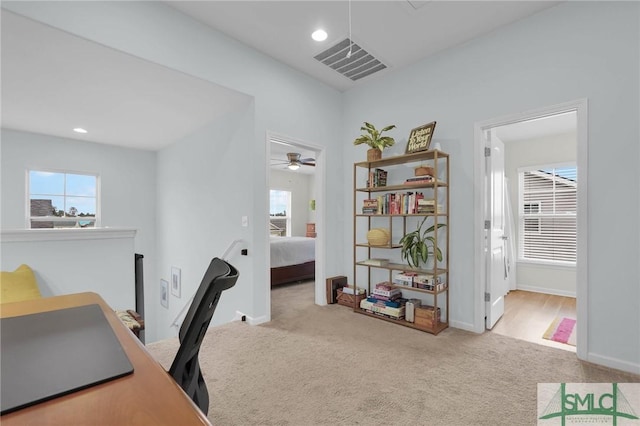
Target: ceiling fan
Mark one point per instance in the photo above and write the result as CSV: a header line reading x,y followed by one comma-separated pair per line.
x,y
294,161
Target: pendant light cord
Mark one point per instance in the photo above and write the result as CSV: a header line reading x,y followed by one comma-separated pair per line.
x,y
350,39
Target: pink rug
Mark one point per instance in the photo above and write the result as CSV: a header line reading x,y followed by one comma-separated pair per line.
x,y
562,330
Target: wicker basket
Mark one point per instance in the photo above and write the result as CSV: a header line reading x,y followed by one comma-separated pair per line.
x,y
378,237
424,171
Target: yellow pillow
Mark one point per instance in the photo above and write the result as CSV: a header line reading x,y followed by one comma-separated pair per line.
x,y
18,285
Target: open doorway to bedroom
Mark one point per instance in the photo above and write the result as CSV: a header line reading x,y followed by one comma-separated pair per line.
x,y
294,191
531,214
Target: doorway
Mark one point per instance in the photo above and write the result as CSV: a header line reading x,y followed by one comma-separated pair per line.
x,y
507,244
297,167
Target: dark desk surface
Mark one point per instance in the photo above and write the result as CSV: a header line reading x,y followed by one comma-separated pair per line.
x,y
149,396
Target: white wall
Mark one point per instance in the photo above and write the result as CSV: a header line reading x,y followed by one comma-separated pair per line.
x,y
572,51
76,261
128,200
285,101
202,196
299,185
554,149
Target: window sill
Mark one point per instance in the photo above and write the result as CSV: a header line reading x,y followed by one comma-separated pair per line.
x,y
19,235
546,265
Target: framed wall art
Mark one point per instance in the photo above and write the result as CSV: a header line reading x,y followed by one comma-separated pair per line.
x,y
420,138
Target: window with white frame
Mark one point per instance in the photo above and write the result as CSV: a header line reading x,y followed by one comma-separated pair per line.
x,y
62,199
548,203
280,212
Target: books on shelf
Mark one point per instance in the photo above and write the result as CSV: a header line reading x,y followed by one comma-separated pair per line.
x,y
422,281
417,180
370,206
393,203
386,291
377,178
388,311
429,206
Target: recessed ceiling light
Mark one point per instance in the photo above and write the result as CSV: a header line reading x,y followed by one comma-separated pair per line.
x,y
319,35
79,130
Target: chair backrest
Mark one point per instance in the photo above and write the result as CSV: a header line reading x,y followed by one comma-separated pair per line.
x,y
185,368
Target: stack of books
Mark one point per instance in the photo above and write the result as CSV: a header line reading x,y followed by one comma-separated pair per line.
x,y
429,282
377,177
404,279
370,206
423,281
419,180
385,300
428,206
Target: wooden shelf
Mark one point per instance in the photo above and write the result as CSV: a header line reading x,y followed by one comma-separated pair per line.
x,y
402,159
369,275
439,327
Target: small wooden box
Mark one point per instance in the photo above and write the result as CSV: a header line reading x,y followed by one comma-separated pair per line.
x,y
427,313
426,317
348,299
426,323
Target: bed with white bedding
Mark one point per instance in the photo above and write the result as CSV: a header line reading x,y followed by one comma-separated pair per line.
x,y
292,259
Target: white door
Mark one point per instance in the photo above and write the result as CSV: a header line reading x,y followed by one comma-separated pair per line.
x,y
495,252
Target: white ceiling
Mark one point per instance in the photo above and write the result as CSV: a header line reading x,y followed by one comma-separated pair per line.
x,y
398,32
53,81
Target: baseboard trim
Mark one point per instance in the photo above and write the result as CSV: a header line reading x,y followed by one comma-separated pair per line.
x,y
250,320
618,364
546,291
464,326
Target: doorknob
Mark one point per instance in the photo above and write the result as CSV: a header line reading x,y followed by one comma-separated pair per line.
x,y
504,237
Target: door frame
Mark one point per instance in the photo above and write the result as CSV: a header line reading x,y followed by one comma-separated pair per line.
x,y
320,194
580,106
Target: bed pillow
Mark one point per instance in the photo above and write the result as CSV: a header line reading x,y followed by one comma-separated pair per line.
x,y
18,285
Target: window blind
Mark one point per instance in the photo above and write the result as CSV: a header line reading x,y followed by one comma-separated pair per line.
x,y
547,211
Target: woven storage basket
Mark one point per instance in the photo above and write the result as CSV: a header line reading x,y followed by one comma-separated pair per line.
x,y
378,237
424,171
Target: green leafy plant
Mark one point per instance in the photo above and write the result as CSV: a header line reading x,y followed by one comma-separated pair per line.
x,y
374,138
418,245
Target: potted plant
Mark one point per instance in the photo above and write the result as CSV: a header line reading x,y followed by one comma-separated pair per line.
x,y
419,244
375,140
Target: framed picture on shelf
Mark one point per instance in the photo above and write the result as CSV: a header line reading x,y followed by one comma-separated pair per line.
x,y
420,138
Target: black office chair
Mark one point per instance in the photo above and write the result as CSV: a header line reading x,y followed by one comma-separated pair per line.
x,y
185,369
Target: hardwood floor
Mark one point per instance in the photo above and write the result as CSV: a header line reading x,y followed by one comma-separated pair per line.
x,y
527,316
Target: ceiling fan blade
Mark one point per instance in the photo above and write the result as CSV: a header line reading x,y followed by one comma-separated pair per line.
x,y
307,164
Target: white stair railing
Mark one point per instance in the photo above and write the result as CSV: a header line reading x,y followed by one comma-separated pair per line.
x,y
179,318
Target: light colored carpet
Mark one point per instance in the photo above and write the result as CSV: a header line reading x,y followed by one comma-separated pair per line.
x,y
316,365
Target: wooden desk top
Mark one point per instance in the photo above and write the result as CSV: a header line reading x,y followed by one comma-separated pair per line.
x,y
149,396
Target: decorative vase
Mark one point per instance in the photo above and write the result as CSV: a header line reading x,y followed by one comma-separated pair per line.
x,y
378,237
374,154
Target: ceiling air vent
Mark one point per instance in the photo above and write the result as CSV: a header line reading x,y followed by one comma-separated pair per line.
x,y
360,64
